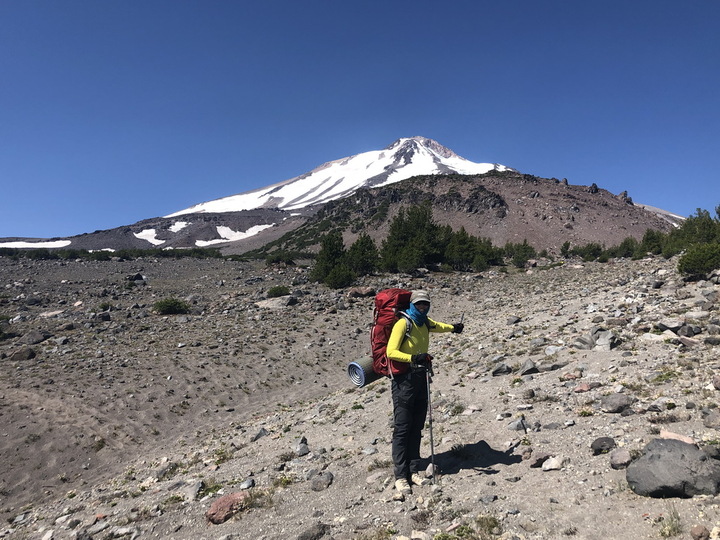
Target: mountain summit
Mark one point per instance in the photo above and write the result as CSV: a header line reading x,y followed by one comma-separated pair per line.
x,y
489,200
401,160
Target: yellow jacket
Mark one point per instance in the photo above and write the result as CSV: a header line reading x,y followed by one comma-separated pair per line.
x,y
401,348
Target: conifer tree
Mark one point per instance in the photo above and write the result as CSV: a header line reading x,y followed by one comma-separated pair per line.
x,y
362,256
460,251
331,255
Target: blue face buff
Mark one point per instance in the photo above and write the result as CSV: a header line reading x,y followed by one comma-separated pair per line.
x,y
416,315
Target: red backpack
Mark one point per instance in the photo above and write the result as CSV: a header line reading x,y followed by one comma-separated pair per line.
x,y
389,304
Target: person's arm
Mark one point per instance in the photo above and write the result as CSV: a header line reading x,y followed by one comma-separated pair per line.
x,y
397,336
436,326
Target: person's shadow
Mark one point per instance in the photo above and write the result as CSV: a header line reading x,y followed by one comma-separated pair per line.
x,y
477,456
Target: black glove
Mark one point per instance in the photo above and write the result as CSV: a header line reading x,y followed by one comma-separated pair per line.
x,y
458,328
420,359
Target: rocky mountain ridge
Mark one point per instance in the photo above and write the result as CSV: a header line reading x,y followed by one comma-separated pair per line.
x,y
121,423
546,212
502,206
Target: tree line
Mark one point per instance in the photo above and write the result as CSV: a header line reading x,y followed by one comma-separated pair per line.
x,y
415,240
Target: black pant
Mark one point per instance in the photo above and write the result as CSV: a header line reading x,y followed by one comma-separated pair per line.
x,y
410,405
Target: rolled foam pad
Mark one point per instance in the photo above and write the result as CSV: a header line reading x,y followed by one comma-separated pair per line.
x,y
361,372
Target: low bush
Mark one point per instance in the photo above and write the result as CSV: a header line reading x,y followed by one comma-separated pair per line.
x,y
699,260
278,290
171,306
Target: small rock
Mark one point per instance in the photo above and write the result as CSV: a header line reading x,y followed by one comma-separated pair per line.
x,y
190,493
316,532
22,354
225,507
529,368
33,337
698,532
620,458
321,481
554,463
690,342
501,369
262,433
616,403
302,449
602,445
247,484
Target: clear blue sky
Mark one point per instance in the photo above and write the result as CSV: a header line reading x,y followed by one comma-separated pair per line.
x,y
116,111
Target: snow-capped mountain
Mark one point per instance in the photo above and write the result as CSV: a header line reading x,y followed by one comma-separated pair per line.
x,y
337,179
503,206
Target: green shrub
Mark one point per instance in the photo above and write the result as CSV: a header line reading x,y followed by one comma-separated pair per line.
x,y
283,257
565,249
278,290
171,306
339,277
699,260
520,253
588,252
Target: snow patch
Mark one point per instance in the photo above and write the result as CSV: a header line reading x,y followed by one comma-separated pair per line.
x,y
150,236
228,235
24,245
179,226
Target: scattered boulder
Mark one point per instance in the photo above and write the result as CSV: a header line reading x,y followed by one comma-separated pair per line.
x,y
669,324
360,292
262,432
602,445
280,302
501,369
616,403
321,481
22,354
226,506
555,463
316,532
529,368
33,337
598,339
620,458
698,532
672,468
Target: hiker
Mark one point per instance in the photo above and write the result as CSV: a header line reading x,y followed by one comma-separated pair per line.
x,y
409,355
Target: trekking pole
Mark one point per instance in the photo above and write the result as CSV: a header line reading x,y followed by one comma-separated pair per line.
x,y
430,424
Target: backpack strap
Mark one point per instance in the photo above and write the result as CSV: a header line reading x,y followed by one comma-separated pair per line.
x,y
408,326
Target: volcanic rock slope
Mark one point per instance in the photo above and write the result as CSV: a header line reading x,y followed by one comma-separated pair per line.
x,y
502,206
121,423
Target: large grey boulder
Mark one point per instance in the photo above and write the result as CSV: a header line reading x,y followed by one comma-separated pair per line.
x,y
616,403
598,339
672,468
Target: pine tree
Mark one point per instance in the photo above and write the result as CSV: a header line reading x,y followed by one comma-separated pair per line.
x,y
362,257
413,240
331,255
460,251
